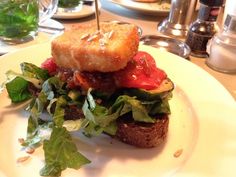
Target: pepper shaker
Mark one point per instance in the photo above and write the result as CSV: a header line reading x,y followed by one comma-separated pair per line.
x,y
204,28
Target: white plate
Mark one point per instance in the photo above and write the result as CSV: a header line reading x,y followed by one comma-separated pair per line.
x,y
146,8
202,124
84,11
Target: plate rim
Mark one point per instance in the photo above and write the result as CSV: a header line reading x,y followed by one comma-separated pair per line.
x,y
139,9
78,15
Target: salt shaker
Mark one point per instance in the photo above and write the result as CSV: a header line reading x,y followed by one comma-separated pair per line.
x,y
223,48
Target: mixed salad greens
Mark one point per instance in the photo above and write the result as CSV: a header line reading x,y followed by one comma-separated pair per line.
x,y
68,3
51,95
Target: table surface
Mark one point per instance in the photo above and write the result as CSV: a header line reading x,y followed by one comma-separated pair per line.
x,y
148,23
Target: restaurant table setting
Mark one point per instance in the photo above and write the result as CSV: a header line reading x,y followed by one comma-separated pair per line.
x,y
193,41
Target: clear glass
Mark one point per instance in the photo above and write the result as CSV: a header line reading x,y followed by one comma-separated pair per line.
x,y
68,3
19,18
70,6
222,53
47,8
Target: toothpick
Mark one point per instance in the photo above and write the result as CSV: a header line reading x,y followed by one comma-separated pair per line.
x,y
97,14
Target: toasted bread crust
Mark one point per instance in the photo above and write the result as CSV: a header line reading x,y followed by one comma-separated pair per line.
x,y
144,135
83,48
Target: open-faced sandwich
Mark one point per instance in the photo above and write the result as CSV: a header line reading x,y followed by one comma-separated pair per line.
x,y
99,81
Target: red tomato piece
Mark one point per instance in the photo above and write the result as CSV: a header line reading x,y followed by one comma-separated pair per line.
x,y
141,72
49,65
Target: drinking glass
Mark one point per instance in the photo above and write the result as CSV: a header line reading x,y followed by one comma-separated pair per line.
x,y
19,19
69,5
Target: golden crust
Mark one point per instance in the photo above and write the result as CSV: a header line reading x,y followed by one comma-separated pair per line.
x,y
83,48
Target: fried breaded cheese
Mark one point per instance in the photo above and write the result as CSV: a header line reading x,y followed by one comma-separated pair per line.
x,y
84,48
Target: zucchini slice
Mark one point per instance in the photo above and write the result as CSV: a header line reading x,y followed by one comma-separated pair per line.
x,y
161,92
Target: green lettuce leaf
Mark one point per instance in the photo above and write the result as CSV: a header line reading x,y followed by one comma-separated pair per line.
x,y
61,153
103,119
18,90
53,87
39,104
127,103
111,129
160,107
98,116
30,73
75,125
58,116
42,132
33,71
54,97
37,107
92,129
11,75
103,116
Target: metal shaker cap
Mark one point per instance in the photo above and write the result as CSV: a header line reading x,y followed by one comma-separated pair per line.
x,y
230,23
213,3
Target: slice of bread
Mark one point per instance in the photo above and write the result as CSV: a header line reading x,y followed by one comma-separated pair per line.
x,y
144,135
84,48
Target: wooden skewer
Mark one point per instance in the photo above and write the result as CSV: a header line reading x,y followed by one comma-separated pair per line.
x,y
97,14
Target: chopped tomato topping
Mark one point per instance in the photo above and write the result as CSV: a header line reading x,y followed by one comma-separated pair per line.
x,y
141,72
96,80
49,65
